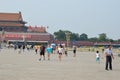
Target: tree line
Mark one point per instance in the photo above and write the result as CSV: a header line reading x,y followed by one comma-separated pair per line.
x,y
61,35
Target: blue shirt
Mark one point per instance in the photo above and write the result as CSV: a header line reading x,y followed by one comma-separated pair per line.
x,y
49,50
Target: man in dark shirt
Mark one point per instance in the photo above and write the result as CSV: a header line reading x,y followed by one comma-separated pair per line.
x,y
42,52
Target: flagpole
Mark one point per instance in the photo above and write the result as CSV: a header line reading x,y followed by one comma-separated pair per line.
x,y
3,37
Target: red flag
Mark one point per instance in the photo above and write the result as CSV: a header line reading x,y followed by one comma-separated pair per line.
x,y
35,28
30,28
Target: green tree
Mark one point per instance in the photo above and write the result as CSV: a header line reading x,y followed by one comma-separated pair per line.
x,y
102,37
94,39
118,40
83,37
74,36
60,35
111,40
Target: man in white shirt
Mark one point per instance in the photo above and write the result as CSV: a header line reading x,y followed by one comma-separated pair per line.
x,y
109,56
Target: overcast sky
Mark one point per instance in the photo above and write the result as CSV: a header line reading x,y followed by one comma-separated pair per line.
x,y
92,17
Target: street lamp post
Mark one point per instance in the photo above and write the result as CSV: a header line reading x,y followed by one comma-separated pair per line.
x,y
67,38
23,38
3,37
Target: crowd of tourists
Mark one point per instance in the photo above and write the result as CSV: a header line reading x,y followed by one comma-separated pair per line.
x,y
63,50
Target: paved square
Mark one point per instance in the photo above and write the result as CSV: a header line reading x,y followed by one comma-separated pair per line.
x,y
26,66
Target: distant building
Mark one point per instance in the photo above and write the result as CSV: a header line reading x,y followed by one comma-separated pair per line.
x,y
14,30
12,22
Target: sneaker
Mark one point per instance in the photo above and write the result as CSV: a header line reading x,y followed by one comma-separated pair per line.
x,y
40,59
110,69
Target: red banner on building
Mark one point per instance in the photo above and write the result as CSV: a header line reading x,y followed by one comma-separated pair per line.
x,y
17,35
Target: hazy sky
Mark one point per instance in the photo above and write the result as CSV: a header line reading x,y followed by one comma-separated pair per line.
x,y
80,16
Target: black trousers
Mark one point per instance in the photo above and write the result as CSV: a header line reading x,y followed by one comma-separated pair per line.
x,y
108,62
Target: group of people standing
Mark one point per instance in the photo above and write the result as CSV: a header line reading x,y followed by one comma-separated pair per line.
x,y
63,50
60,50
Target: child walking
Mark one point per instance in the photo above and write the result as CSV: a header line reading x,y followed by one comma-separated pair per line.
x,y
97,56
